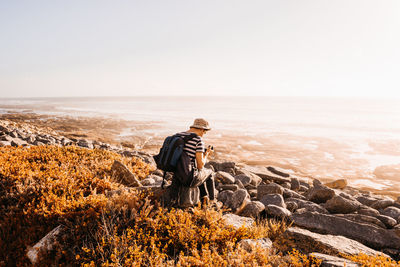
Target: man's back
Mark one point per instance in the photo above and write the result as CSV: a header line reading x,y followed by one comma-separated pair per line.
x,y
192,146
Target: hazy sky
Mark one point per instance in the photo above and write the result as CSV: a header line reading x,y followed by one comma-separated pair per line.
x,y
188,47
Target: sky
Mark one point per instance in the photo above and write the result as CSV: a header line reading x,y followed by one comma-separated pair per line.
x,y
347,48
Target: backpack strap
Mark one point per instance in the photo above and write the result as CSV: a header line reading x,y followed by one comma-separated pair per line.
x,y
163,180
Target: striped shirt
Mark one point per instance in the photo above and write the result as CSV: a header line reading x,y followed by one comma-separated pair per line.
x,y
192,146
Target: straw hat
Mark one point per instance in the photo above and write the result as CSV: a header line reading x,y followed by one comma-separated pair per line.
x,y
201,124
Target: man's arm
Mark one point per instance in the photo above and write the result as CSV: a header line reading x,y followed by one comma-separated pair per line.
x,y
201,159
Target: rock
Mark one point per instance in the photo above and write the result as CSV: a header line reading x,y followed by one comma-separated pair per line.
x,y
307,242
30,139
253,209
287,193
6,138
276,211
366,200
246,180
317,182
239,200
237,221
121,174
228,167
148,181
294,183
388,221
392,212
333,261
18,142
271,188
291,206
239,184
45,244
368,211
266,175
232,187
396,229
84,143
337,184
363,219
278,171
224,177
158,172
250,244
303,188
234,200
225,196
253,193
274,199
319,194
5,143
382,204
370,235
254,179
339,204
308,205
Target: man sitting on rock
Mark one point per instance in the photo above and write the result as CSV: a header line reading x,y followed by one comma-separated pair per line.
x,y
198,155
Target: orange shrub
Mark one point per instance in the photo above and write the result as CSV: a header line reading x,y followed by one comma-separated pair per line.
x,y
44,186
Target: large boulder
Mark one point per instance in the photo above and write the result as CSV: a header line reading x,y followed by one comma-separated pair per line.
x,y
253,209
278,212
388,221
366,199
339,204
225,196
363,219
273,199
307,205
370,235
288,193
237,221
306,242
234,200
265,189
319,193
121,174
244,179
267,176
224,177
392,212
382,204
225,166
254,178
365,210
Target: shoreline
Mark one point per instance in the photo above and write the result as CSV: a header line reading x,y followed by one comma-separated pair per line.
x,y
135,135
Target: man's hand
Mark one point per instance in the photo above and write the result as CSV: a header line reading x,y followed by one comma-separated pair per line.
x,y
209,150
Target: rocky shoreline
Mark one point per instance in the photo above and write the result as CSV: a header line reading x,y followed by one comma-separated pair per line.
x,y
326,219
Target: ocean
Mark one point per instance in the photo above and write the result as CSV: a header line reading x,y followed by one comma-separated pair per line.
x,y
324,138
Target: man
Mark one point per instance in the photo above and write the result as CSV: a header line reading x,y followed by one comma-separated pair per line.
x,y
198,155
202,187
